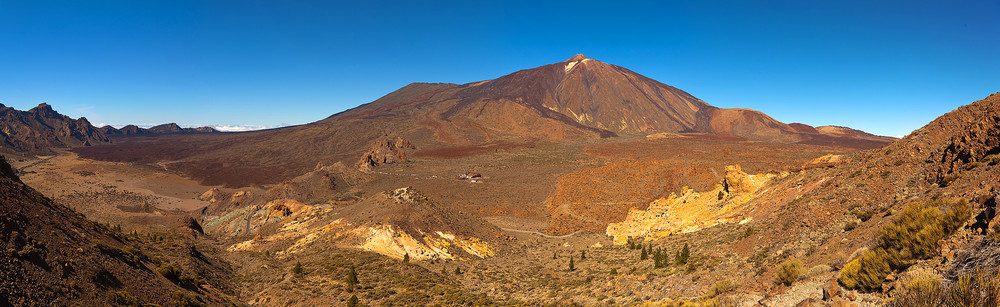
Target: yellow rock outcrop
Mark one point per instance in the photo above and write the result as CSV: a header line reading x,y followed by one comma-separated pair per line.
x,y
691,211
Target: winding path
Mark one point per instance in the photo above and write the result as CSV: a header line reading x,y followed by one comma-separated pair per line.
x,y
542,234
565,208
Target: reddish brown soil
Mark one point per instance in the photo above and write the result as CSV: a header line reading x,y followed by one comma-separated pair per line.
x,y
655,168
470,150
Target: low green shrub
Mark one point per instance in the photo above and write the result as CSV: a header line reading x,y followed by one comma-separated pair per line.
x,y
867,272
122,298
170,271
948,179
179,298
720,287
789,272
913,236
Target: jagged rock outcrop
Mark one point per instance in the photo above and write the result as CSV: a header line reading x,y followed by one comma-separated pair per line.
x,y
385,151
41,129
691,211
738,182
6,171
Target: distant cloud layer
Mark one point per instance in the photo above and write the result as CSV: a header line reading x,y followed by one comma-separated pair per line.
x,y
240,128
223,128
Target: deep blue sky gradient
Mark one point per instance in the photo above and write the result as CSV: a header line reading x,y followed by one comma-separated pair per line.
x,y
887,67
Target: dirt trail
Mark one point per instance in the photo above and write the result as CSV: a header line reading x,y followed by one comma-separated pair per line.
x,y
566,208
542,234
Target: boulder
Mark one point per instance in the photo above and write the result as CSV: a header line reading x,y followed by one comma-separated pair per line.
x,y
830,290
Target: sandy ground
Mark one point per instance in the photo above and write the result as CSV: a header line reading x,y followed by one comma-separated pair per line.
x,y
101,190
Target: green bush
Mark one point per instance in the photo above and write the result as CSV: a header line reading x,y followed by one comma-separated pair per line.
x,y
788,272
179,298
721,287
863,214
994,233
868,271
948,179
913,236
916,232
170,271
850,225
122,298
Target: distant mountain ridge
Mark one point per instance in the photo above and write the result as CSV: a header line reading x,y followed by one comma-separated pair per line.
x,y
40,129
170,128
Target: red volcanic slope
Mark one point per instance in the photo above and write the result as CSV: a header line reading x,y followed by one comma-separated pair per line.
x,y
577,99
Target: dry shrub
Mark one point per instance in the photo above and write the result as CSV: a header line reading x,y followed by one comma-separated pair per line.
x,y
819,269
720,287
948,179
994,233
913,236
975,288
788,272
921,290
868,271
979,287
121,298
916,232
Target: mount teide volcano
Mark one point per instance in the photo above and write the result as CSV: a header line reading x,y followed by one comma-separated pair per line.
x,y
575,100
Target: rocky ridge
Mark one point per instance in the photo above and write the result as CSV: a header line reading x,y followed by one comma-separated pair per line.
x,y
41,129
164,129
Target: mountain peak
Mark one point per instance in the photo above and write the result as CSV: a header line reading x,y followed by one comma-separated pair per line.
x,y
44,107
578,57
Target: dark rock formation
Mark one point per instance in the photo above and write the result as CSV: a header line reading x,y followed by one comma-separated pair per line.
x,y
41,129
385,151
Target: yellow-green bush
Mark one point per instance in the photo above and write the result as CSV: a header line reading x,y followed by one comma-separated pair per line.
x,y
916,232
721,287
122,298
995,232
867,272
948,179
788,272
913,236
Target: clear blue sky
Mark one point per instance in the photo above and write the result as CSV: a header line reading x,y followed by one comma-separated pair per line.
x,y
886,67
